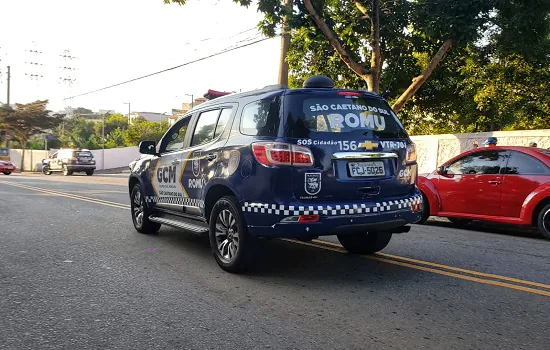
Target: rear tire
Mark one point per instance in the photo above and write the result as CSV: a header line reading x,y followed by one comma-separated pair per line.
x,y
66,171
7,172
543,221
232,247
89,172
46,170
140,212
365,243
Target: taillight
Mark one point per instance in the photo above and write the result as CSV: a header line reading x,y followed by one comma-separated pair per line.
x,y
279,153
411,153
349,93
309,218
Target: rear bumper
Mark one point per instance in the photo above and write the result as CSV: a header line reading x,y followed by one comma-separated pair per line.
x,y
264,219
4,168
81,167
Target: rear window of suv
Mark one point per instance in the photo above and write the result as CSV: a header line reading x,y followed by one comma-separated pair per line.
x,y
335,113
82,154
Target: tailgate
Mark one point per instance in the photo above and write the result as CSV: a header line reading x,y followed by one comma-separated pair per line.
x,y
358,145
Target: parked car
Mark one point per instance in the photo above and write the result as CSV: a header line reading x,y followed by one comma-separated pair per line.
x,y
6,165
69,161
509,185
280,162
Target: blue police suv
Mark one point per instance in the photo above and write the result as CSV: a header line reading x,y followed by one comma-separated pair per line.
x,y
280,162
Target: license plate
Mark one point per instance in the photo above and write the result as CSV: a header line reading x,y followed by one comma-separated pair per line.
x,y
361,169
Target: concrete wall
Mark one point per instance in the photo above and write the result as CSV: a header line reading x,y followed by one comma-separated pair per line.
x,y
114,158
433,150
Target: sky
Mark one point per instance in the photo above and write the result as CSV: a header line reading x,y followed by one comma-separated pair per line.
x,y
111,41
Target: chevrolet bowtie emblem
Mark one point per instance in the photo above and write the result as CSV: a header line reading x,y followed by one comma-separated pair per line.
x,y
369,145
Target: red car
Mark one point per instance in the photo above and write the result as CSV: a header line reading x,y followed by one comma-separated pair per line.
x,y
6,167
509,185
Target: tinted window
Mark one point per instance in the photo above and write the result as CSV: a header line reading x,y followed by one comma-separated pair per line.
x,y
487,162
222,122
175,137
204,131
336,113
82,154
261,118
523,164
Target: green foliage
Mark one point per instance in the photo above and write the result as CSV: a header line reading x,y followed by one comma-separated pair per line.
x,y
141,129
27,120
115,138
112,122
81,133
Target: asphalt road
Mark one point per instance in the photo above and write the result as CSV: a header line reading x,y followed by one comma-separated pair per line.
x,y
74,274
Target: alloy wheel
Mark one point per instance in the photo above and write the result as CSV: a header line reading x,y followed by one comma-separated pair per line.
x,y
138,208
227,235
546,221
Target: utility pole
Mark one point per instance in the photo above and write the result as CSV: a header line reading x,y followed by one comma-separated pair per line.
x,y
128,103
192,99
103,138
9,78
285,44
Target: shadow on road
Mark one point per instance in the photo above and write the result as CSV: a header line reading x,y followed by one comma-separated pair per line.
x,y
299,264
489,227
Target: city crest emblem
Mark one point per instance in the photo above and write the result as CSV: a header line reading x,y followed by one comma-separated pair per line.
x,y
196,163
312,183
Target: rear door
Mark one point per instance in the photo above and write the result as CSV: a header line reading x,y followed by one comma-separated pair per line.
x,y
55,161
358,144
204,155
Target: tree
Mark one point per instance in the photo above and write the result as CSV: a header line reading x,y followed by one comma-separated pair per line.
x,y
81,112
27,120
366,35
112,123
141,129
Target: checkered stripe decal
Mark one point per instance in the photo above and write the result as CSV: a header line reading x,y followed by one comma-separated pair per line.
x,y
176,200
342,209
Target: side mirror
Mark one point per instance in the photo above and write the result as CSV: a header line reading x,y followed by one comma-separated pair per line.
x,y
387,95
148,147
442,170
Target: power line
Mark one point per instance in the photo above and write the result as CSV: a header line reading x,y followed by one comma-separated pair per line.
x,y
224,38
172,68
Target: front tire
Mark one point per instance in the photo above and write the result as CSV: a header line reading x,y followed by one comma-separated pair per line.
x,y
425,210
46,170
140,212
7,172
365,243
232,247
543,221
89,172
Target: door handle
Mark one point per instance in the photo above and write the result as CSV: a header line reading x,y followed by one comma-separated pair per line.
x,y
175,161
494,182
211,156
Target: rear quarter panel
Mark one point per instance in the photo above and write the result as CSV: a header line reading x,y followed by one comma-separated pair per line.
x,y
532,201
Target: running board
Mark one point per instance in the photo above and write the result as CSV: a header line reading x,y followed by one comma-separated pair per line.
x,y
195,228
